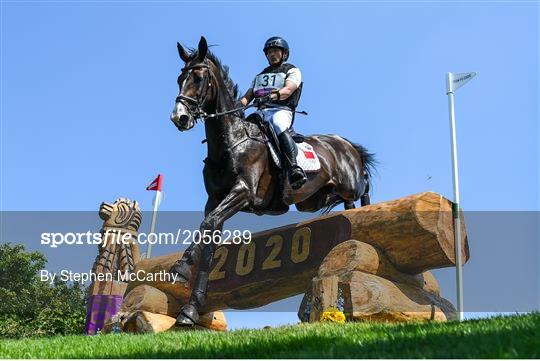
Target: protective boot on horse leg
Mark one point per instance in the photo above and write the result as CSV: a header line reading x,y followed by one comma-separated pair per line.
x,y
191,257
204,253
189,313
237,199
182,267
364,199
297,176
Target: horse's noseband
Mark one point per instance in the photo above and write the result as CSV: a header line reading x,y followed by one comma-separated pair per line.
x,y
194,106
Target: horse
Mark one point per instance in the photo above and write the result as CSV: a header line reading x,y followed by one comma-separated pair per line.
x,y
239,174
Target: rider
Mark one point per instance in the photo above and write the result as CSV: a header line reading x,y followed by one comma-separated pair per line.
x,y
276,91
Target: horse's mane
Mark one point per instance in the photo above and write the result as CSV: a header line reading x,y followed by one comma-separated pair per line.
x,y
230,86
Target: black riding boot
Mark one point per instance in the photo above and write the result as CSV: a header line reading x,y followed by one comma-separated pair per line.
x,y
297,177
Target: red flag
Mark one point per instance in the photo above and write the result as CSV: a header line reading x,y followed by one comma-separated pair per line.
x,y
156,184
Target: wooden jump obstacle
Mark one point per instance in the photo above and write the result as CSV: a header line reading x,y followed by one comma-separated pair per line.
x,y
376,259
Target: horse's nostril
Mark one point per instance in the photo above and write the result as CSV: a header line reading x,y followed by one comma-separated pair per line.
x,y
183,119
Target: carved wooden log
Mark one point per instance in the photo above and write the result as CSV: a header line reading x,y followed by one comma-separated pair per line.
x,y
148,322
150,299
372,298
353,255
344,279
147,309
415,233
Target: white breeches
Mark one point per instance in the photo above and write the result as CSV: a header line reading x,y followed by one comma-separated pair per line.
x,y
280,119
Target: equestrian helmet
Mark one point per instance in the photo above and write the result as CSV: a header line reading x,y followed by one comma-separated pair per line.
x,y
277,42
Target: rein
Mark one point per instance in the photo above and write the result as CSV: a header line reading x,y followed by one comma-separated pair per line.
x,y
195,105
303,112
199,113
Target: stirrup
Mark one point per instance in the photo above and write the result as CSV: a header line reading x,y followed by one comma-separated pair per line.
x,y
302,178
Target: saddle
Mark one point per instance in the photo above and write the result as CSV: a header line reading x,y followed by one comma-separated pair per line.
x,y
305,151
307,159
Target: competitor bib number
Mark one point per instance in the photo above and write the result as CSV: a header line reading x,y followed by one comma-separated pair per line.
x,y
265,83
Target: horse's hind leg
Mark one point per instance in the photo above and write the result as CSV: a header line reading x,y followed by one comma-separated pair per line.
x,y
364,199
351,193
320,199
349,198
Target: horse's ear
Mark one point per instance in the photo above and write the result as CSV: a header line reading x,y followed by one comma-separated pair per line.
x,y
184,55
203,49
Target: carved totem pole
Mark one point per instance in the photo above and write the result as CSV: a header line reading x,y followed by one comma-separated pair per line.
x,y
118,254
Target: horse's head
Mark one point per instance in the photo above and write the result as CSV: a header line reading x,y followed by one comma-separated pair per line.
x,y
195,87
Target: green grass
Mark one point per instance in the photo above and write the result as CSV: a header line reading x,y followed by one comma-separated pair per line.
x,y
499,337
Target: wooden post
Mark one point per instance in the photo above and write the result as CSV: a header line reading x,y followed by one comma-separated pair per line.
x,y
123,217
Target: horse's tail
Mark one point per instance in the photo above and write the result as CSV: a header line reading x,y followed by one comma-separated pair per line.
x,y
368,169
368,160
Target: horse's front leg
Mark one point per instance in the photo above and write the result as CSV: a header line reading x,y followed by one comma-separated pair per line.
x,y
182,268
236,200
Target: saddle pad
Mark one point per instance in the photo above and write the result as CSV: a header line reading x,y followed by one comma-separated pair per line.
x,y
307,159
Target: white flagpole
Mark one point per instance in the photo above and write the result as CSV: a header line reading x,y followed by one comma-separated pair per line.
x,y
157,201
455,206
452,85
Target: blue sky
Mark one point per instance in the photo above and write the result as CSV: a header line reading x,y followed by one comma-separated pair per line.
x,y
87,89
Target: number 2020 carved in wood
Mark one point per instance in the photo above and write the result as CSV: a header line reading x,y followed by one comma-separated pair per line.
x,y
273,254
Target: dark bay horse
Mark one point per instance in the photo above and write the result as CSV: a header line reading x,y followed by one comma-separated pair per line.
x,y
239,174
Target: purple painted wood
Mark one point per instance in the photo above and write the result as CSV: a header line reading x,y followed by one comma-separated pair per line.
x,y
100,309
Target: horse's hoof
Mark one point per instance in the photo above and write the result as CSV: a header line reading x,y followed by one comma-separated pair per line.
x,y
181,270
183,321
188,316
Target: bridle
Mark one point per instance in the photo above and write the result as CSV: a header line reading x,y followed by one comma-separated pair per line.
x,y
194,106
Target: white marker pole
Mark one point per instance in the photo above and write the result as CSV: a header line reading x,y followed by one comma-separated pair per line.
x,y
157,201
453,82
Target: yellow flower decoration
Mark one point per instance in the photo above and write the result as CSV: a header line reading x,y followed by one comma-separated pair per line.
x,y
332,314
